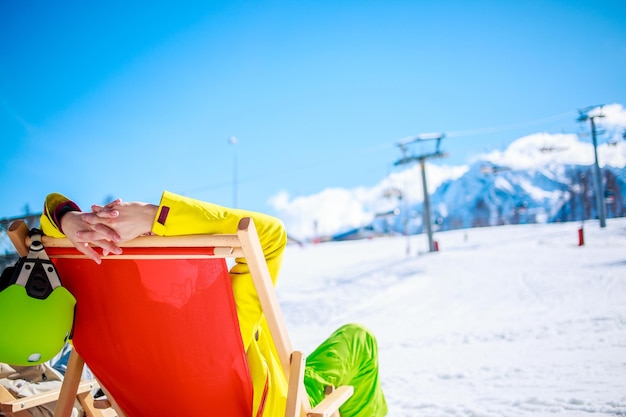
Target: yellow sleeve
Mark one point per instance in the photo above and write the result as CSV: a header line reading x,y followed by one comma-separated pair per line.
x,y
46,222
178,215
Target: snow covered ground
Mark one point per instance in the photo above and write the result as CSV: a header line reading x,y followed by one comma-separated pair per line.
x,y
502,321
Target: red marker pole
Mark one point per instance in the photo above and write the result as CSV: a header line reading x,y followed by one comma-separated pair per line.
x,y
581,236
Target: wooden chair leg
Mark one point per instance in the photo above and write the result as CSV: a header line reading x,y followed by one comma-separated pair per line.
x,y
69,389
294,393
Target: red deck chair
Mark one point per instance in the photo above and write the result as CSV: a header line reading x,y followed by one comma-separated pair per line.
x,y
158,327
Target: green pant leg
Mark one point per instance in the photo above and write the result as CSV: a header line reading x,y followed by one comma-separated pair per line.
x,y
348,357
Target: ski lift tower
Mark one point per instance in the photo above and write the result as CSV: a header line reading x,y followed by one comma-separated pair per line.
x,y
583,117
403,144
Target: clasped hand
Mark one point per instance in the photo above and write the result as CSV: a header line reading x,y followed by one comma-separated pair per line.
x,y
107,226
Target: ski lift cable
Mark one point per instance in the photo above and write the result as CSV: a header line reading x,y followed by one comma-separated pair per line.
x,y
502,128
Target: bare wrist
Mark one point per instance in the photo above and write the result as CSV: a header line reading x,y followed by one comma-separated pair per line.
x,y
60,212
151,213
65,221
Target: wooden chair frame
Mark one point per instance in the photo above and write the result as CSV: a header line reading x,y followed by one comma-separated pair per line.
x,y
243,244
19,407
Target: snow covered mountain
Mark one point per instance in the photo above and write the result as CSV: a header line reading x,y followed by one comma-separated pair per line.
x,y
539,178
489,195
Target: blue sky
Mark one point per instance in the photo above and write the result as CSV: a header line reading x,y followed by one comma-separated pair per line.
x,y
124,100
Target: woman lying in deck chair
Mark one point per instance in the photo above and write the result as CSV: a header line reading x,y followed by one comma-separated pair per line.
x,y
348,357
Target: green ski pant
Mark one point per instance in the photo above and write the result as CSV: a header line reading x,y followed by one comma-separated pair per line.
x,y
348,357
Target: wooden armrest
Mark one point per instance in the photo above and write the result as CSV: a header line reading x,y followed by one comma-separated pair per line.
x,y
45,397
332,402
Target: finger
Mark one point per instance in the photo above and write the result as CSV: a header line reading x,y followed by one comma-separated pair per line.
x,y
89,252
105,212
114,203
90,218
101,233
105,232
108,247
97,207
93,219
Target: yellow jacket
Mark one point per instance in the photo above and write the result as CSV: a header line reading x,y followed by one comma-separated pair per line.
x,y
178,215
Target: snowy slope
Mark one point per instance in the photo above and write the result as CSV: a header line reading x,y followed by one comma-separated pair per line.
x,y
503,321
